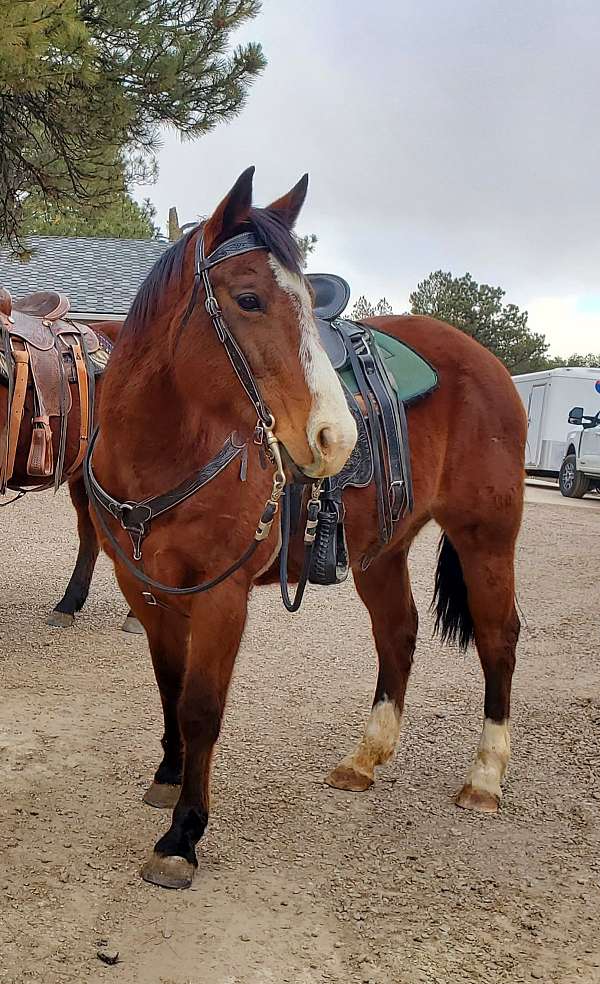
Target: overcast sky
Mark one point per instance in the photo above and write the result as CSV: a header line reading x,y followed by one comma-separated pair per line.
x,y
459,135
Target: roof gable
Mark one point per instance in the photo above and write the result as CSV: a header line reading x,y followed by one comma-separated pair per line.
x,y
100,276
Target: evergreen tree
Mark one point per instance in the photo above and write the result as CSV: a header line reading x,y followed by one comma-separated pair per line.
x,y
365,309
123,218
85,87
307,244
590,360
479,310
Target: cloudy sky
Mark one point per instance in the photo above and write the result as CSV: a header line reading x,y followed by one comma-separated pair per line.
x,y
453,134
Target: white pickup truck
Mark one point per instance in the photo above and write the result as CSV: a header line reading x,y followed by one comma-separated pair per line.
x,y
580,470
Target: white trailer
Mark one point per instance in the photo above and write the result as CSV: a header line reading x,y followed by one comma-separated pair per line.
x,y
548,397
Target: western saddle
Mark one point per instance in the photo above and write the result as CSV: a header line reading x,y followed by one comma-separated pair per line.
x,y
378,404
46,354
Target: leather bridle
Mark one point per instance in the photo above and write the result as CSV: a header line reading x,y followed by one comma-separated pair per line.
x,y
136,517
244,243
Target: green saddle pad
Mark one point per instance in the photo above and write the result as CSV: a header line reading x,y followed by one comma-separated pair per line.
x,y
413,375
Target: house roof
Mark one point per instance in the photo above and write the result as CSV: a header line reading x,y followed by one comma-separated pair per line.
x,y
100,276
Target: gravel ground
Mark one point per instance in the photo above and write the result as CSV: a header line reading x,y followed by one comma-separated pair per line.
x,y
298,882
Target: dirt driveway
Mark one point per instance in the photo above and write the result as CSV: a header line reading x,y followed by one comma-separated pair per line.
x,y
300,883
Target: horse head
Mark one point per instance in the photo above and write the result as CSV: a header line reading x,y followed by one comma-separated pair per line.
x,y
265,303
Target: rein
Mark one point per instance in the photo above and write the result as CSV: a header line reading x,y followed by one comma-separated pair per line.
x,y
310,532
136,517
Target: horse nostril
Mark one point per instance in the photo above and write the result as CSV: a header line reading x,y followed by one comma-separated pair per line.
x,y
325,440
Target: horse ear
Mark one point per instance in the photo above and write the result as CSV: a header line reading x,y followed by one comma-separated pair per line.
x,y
231,212
289,205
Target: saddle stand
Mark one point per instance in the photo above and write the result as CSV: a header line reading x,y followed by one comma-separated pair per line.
x,y
45,354
381,454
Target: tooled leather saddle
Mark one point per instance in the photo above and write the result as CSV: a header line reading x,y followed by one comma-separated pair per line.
x,y
46,354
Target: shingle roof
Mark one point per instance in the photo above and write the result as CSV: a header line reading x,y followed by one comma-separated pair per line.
x,y
101,276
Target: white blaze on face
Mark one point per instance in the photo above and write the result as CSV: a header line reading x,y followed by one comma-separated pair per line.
x,y
491,760
329,407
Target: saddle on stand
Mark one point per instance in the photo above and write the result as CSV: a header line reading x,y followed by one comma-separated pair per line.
x,y
45,354
381,376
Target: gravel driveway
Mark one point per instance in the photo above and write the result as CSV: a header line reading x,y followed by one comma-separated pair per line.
x,y
298,882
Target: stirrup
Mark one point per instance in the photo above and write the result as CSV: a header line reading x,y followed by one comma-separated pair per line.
x,y
330,563
40,463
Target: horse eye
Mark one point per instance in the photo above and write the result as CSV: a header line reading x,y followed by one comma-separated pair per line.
x,y
248,302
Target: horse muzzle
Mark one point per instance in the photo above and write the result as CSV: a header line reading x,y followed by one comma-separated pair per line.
x,y
331,446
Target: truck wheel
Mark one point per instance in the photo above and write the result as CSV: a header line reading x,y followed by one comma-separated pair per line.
x,y
572,483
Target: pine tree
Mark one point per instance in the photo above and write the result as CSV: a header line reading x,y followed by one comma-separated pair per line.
x,y
85,87
590,360
365,309
123,218
307,244
479,310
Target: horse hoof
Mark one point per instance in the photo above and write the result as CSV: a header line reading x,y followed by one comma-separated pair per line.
x,y
162,795
60,620
348,778
132,625
171,871
470,798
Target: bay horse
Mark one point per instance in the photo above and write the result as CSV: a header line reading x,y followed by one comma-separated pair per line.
x,y
220,335
77,589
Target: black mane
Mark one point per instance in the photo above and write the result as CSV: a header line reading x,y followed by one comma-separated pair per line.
x,y
147,300
270,229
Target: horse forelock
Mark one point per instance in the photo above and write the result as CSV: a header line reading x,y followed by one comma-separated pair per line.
x,y
277,237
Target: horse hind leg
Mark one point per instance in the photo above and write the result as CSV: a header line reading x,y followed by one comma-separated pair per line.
x,y
475,600
385,590
132,624
78,587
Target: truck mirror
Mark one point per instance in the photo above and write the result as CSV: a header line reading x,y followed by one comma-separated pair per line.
x,y
576,415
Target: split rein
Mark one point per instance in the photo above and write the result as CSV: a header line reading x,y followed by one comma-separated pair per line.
x,y
136,517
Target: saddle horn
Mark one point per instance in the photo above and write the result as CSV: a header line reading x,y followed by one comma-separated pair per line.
x,y
5,302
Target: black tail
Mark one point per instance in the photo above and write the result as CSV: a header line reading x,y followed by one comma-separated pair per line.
x,y
453,619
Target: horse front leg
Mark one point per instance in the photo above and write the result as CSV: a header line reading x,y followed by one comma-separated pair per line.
x,y
78,587
217,624
167,633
